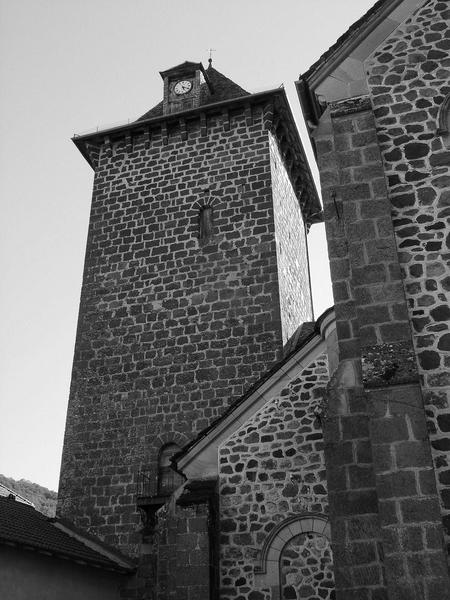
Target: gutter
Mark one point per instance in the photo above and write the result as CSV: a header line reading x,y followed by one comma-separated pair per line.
x,y
308,83
310,109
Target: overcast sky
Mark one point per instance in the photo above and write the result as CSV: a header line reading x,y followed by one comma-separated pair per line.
x,y
67,66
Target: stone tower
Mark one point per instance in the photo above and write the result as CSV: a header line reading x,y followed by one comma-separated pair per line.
x,y
195,277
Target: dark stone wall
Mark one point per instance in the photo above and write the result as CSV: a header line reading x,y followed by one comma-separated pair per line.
x,y
271,468
306,568
408,82
384,508
184,553
171,328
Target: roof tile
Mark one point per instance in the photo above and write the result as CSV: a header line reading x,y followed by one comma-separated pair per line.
x,y
21,524
223,89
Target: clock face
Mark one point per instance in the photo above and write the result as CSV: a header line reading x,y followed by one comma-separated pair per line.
x,y
182,87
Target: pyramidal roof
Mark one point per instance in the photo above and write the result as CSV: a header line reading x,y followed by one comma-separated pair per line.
x,y
221,88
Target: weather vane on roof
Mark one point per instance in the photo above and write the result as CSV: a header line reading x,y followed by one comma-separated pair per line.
x,y
211,50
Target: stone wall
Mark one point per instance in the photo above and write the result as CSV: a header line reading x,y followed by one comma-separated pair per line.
x,y
272,468
183,557
409,80
292,254
384,511
172,328
306,568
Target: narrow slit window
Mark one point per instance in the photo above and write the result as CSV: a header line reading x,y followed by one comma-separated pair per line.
x,y
206,222
444,117
168,479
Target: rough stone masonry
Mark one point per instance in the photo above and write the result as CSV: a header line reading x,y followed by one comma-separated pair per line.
x,y
172,327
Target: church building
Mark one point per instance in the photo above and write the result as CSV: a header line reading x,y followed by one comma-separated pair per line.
x,y
233,446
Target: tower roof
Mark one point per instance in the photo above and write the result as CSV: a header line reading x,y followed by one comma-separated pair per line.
x,y
218,93
218,88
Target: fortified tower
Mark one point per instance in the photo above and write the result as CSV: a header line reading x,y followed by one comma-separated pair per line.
x,y
195,277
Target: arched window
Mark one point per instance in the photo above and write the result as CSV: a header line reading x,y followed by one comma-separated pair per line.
x,y
444,121
206,223
168,479
296,560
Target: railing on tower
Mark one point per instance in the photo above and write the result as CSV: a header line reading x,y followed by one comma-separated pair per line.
x,y
147,484
161,485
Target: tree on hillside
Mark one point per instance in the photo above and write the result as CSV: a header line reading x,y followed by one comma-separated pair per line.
x,y
43,499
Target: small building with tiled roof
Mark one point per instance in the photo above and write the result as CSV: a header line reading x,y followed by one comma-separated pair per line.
x,y
48,558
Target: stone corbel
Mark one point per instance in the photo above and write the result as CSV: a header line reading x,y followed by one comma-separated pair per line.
x,y
164,134
149,516
226,119
147,138
128,144
203,126
183,130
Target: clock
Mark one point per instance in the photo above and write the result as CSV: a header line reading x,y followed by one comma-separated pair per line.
x,y
182,87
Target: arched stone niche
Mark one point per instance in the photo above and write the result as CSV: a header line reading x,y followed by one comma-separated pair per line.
x,y
309,534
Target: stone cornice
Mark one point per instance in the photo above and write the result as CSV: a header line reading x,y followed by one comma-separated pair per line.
x,y
121,131
280,121
350,106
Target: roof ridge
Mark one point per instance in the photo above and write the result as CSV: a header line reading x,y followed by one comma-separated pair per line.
x,y
312,328
92,542
17,495
354,27
23,526
213,71
218,87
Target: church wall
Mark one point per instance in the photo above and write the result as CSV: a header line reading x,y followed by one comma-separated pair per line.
x,y
172,328
292,255
184,553
384,509
408,81
269,470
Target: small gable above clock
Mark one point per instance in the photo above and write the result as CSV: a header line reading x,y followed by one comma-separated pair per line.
x,y
189,85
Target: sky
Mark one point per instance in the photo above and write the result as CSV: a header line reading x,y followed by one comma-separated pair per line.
x,y
68,66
